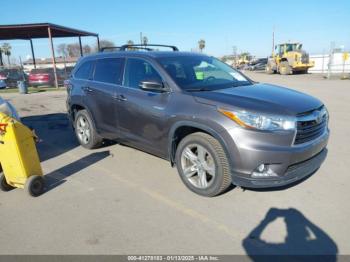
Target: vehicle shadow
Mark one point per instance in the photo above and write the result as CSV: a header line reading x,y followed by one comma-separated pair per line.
x,y
304,241
56,135
58,177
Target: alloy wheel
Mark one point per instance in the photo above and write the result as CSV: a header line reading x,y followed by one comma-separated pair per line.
x,y
198,166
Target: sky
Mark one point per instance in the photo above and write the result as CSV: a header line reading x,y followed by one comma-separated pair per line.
x,y
248,24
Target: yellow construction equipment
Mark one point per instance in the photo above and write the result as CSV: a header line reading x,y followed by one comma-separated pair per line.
x,y
288,58
19,161
244,59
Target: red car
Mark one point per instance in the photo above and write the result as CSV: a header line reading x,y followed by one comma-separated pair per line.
x,y
45,77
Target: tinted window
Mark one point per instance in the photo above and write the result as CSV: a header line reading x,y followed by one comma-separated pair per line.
x,y
41,70
84,70
138,70
109,70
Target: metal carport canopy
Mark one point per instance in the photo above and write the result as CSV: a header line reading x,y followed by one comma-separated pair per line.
x,y
42,30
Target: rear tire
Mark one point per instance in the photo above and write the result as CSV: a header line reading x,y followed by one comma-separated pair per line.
x,y
203,165
3,183
85,130
35,185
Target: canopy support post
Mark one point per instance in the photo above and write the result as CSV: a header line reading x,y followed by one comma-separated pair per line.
x,y
53,57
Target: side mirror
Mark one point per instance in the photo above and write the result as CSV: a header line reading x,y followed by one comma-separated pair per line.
x,y
152,85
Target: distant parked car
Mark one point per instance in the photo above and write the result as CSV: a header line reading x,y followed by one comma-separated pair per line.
x,y
45,77
12,76
258,64
259,67
67,71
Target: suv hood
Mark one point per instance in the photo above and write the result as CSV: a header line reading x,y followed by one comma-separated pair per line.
x,y
264,98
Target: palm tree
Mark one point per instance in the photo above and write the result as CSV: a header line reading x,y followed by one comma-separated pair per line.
x,y
6,49
201,44
145,40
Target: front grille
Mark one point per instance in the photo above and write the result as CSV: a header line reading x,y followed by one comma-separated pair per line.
x,y
311,126
307,166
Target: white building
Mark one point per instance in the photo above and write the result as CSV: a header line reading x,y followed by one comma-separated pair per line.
x,y
336,63
47,62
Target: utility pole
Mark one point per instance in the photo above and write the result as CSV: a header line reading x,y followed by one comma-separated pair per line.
x,y
20,62
141,38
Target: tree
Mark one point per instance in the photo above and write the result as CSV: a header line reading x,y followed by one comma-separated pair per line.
x,y
201,44
62,49
104,43
86,49
6,49
244,54
73,50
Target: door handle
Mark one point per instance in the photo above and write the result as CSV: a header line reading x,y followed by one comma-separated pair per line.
x,y
120,98
87,89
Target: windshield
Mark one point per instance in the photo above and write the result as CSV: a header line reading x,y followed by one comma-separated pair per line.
x,y
293,47
202,73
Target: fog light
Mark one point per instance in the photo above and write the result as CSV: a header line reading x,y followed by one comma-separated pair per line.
x,y
263,170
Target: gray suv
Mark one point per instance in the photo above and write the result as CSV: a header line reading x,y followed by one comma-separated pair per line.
x,y
216,125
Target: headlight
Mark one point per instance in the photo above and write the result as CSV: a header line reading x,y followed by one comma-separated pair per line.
x,y
261,122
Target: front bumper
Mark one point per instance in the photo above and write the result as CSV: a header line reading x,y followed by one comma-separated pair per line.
x,y
290,163
294,173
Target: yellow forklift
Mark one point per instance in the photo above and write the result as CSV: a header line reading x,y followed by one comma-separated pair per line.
x,y
289,58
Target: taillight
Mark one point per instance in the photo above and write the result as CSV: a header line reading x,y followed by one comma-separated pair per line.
x,y
37,77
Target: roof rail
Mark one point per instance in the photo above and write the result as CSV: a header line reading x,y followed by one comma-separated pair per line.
x,y
109,47
145,47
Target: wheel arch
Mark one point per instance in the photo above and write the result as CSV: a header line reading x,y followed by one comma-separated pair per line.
x,y
76,107
184,128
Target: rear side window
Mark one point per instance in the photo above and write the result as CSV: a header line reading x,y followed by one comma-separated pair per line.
x,y
109,70
41,71
84,70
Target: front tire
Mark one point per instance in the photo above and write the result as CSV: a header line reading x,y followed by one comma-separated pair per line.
x,y
285,68
269,70
85,130
203,165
